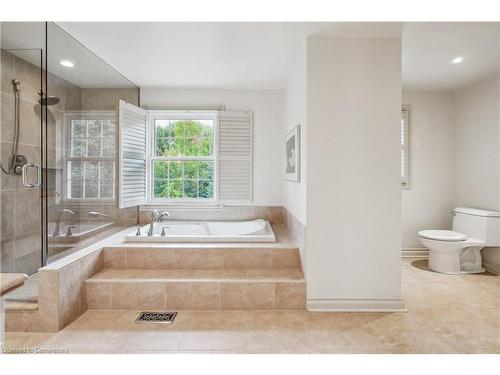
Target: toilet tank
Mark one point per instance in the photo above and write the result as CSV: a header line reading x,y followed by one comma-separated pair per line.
x,y
478,224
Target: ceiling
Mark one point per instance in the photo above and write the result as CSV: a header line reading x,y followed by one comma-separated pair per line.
x,y
201,55
428,49
231,55
254,55
25,39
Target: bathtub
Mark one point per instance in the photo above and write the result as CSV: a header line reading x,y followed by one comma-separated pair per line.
x,y
80,231
206,231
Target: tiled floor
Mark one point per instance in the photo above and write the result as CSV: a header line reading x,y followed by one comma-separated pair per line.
x,y
446,314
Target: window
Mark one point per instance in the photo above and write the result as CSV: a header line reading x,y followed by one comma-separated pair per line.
x,y
404,149
90,163
183,156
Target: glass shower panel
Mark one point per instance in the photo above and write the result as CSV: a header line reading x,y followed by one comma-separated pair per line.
x,y
80,142
21,124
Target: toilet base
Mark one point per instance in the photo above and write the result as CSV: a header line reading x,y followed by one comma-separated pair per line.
x,y
466,261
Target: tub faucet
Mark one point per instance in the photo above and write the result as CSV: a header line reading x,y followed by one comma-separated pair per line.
x,y
57,229
156,215
69,231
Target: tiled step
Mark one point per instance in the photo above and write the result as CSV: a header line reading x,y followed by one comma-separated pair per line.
x,y
20,316
201,257
213,289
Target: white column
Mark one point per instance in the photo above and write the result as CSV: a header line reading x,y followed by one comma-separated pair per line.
x,y
353,238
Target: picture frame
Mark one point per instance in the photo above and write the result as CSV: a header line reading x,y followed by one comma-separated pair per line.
x,y
292,155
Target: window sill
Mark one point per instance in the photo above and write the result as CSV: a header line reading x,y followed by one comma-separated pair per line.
x,y
89,202
214,206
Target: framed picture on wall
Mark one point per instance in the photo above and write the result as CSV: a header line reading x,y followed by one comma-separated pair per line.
x,y
292,155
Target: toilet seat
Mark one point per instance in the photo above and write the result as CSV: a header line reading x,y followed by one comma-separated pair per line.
x,y
443,235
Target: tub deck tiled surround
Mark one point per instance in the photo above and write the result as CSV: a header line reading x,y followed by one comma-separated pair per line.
x,y
136,276
199,276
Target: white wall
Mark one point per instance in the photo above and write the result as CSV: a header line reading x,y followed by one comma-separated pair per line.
x,y
476,145
267,106
477,150
294,193
454,158
427,203
353,236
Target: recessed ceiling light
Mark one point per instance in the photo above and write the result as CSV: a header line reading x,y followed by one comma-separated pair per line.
x,y
457,60
67,63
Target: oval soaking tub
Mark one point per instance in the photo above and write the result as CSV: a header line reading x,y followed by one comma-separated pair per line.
x,y
205,231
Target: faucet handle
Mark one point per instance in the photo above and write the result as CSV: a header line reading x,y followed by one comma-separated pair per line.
x,y
69,231
163,215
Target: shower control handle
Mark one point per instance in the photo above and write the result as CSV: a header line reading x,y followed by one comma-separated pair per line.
x,y
38,175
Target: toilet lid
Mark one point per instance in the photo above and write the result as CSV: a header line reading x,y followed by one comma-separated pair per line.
x,y
442,235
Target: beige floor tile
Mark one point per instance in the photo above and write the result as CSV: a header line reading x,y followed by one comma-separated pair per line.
x,y
280,341
213,340
149,341
197,320
444,315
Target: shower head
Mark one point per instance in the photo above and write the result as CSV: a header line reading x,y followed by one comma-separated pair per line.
x,y
49,100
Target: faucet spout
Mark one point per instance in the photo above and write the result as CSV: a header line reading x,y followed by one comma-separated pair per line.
x,y
58,229
156,215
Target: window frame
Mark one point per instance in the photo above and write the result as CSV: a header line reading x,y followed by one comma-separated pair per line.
x,y
151,157
87,115
405,147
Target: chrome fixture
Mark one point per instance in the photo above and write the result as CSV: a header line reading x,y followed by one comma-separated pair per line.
x,y
156,215
96,214
16,162
38,175
138,233
163,216
57,230
69,231
163,231
48,100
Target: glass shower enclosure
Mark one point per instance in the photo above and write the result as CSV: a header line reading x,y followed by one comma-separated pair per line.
x,y
80,153
59,134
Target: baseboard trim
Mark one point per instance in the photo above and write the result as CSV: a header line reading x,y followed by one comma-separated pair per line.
x,y
416,252
356,305
492,267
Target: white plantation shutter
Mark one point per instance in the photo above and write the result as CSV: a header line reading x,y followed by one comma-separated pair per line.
x,y
405,179
132,167
235,157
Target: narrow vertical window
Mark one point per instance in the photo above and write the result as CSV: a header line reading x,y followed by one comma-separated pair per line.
x,y
404,149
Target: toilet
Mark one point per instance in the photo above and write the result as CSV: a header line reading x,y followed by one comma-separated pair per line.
x,y
458,251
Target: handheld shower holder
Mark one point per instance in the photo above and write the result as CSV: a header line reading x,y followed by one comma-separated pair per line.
x,y
19,162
